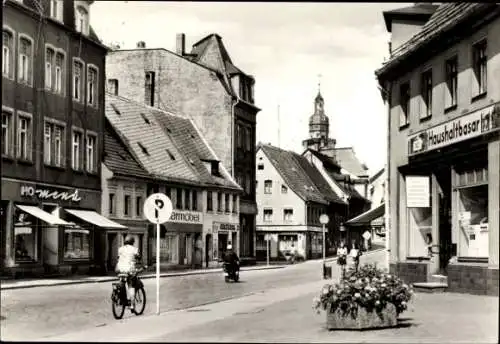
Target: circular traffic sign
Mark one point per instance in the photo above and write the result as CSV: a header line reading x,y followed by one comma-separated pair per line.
x,y
323,219
158,208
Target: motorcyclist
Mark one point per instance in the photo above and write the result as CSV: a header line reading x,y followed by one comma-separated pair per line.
x,y
231,258
128,261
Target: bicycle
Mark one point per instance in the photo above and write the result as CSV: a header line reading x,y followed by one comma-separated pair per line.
x,y
119,296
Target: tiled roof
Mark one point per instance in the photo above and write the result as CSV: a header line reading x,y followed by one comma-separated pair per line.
x,y
288,166
194,149
347,159
420,11
326,160
343,181
446,16
117,156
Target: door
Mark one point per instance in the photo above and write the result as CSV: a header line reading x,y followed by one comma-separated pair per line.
x,y
443,177
222,243
112,257
208,249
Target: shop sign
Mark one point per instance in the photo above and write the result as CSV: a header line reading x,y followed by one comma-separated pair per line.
x,y
222,226
466,127
417,192
185,217
48,194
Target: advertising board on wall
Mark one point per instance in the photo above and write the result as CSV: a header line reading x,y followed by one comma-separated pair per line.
x,y
417,192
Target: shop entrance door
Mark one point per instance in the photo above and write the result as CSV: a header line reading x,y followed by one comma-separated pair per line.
x,y
223,239
445,243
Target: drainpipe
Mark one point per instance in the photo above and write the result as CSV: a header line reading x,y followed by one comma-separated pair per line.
x,y
387,181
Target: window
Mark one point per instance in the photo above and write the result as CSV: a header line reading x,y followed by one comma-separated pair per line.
x,y
219,202
113,86
479,58
76,243
248,136
6,133
284,189
149,89
82,21
235,204
473,223
238,136
178,199
260,166
77,80
268,215
112,203
49,63
53,146
126,205
226,203
25,56
195,200
138,206
287,215
268,186
187,199
451,76
56,9
25,237
92,86
210,205
24,138
248,183
91,157
426,93
404,99
76,157
8,48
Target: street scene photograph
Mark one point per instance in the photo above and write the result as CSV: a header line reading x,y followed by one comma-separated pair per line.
x,y
250,172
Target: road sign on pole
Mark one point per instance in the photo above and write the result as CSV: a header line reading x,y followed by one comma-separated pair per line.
x,y
157,209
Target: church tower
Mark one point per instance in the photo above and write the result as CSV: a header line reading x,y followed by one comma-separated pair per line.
x,y
319,127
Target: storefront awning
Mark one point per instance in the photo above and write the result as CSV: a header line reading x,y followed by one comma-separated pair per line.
x,y
42,215
95,219
367,217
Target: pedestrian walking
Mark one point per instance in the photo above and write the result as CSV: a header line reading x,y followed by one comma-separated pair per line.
x,y
342,258
355,254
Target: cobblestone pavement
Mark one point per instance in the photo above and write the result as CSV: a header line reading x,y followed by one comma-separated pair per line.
x,y
40,312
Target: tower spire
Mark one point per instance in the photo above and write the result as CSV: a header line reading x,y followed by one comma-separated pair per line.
x,y
319,83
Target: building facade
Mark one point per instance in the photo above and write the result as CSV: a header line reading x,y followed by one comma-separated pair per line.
x,y
52,138
443,91
205,86
180,164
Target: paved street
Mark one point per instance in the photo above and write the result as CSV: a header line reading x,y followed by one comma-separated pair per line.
x,y
37,313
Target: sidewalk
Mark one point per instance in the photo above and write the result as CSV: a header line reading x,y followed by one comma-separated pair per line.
x,y
49,282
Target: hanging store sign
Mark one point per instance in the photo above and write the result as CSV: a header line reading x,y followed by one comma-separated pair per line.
x,y
225,227
463,128
418,192
185,217
49,194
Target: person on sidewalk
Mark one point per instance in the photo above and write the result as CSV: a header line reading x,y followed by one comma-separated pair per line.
x,y
342,257
355,254
128,261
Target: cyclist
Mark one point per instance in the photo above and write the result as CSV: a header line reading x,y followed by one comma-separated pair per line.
x,y
128,260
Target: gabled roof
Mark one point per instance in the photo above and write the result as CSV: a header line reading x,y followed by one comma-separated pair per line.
x,y
420,11
325,159
117,156
306,183
347,159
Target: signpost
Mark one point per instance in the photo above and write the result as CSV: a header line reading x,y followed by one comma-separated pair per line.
x,y
157,209
323,219
268,239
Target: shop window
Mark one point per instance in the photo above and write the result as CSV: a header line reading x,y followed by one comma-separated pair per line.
x,y
419,229
169,248
25,237
76,243
473,221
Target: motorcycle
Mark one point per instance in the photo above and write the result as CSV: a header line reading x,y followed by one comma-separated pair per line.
x,y
232,273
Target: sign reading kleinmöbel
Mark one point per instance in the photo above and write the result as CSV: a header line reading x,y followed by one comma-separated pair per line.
x,y
459,129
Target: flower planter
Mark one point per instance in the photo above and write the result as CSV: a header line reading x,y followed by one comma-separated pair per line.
x,y
363,320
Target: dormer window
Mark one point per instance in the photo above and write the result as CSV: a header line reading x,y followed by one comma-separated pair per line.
x,y
215,168
56,9
82,20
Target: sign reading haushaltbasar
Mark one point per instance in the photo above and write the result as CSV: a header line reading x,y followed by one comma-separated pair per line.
x,y
459,129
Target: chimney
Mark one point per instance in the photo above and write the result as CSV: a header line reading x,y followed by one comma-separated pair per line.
x,y
141,44
180,44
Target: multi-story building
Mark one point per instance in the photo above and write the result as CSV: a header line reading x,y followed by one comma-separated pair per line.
x,y
292,195
442,87
182,165
52,142
205,86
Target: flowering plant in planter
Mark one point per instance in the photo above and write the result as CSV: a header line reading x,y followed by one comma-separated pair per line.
x,y
369,288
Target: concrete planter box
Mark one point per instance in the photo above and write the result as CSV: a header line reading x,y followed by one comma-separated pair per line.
x,y
363,320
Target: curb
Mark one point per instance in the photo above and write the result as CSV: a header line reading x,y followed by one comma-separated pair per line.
x,y
109,279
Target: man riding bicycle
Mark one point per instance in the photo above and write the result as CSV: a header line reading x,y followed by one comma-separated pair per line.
x,y
128,261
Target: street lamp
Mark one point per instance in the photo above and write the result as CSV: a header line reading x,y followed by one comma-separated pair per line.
x,y
323,219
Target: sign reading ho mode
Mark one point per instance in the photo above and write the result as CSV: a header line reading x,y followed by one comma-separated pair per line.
x,y
466,127
47,194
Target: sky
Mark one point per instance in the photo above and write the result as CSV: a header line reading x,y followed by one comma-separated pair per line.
x,y
286,47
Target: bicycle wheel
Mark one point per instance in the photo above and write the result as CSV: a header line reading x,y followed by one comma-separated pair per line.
x,y
140,301
117,307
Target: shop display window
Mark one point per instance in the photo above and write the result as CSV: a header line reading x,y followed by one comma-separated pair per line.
x,y
25,237
169,249
76,243
419,231
473,221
